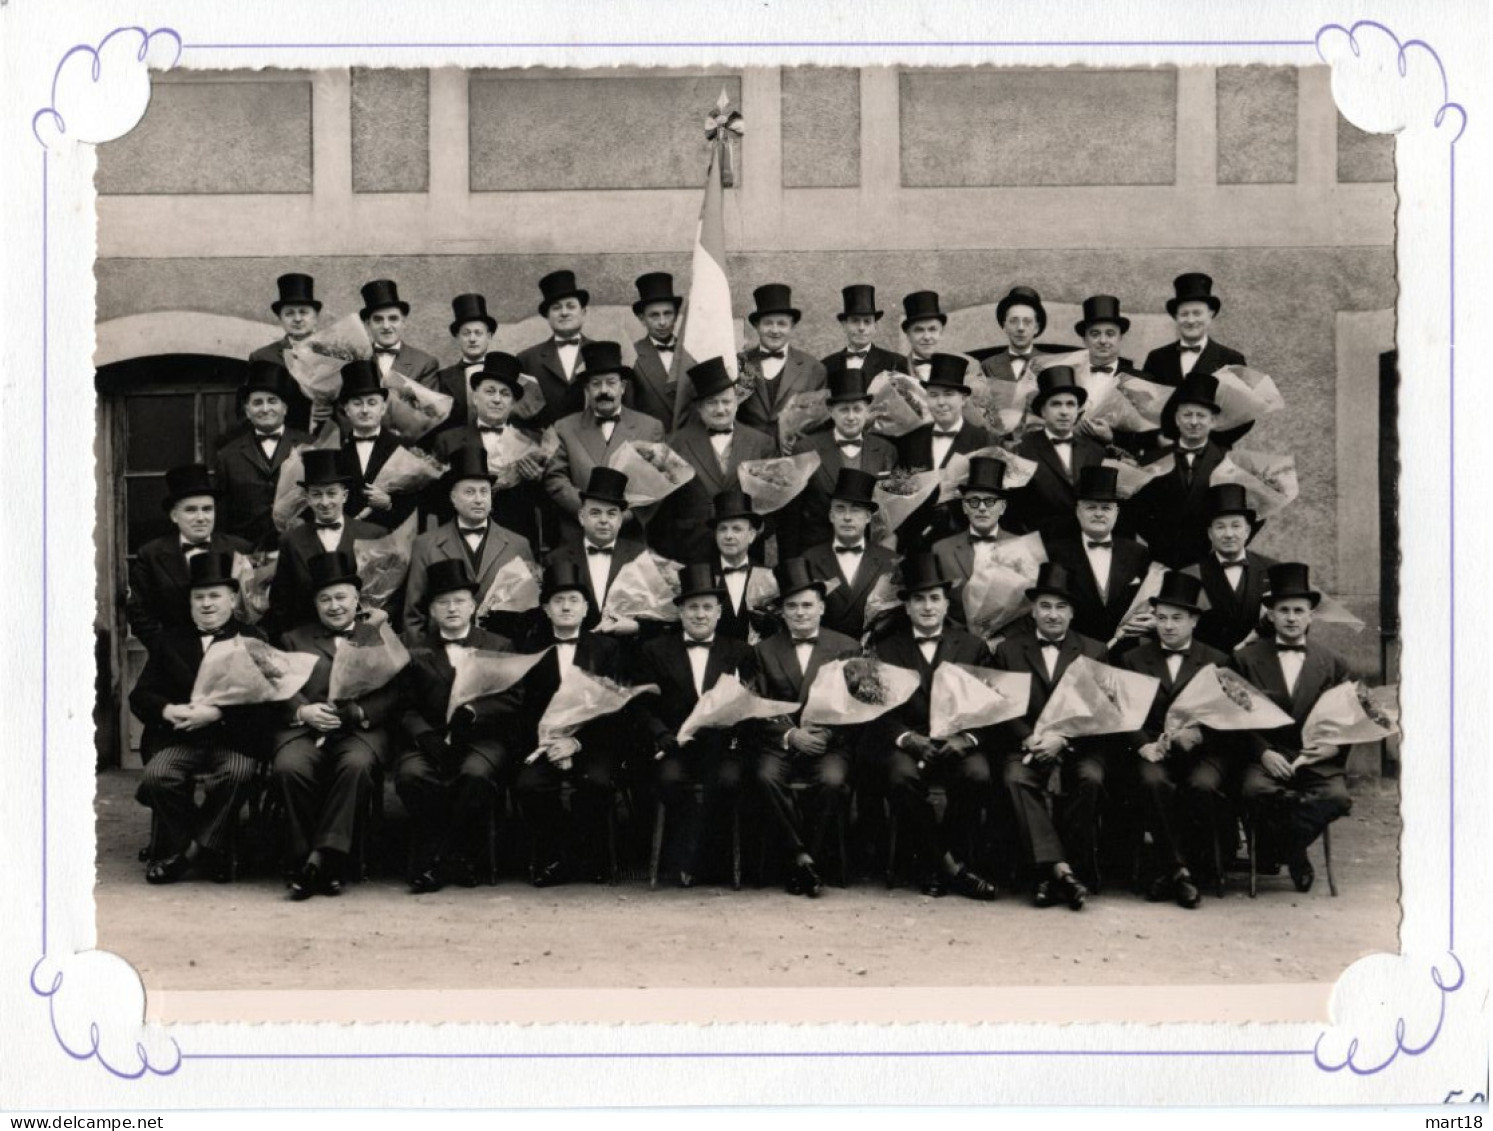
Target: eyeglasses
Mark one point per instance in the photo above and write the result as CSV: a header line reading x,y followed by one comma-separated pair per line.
x,y
981,502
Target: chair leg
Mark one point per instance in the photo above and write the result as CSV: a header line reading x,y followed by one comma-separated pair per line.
x,y
840,820
1327,855
736,843
612,842
658,846
1252,874
1217,858
891,850
492,843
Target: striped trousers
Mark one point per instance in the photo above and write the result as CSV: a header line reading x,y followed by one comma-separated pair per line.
x,y
168,788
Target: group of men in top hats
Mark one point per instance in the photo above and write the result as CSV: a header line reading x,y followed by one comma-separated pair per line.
x,y
1220,603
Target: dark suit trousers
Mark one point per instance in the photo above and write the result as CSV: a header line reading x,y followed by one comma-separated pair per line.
x,y
826,774
1086,770
707,761
1182,817
1294,812
1026,791
448,802
168,786
325,789
967,786
539,786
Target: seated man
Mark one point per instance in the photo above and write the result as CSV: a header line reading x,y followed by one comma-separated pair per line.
x,y
1293,799
1024,319
328,755
368,445
932,446
1171,511
900,759
923,323
1182,779
1233,576
858,319
1193,308
472,327
848,559
188,743
601,552
684,668
247,467
1048,503
297,310
383,316
785,369
788,662
450,778
556,363
734,527
159,594
654,388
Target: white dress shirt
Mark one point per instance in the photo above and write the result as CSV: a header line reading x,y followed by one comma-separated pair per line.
x,y
1290,668
1100,560
1233,570
698,658
1186,359
385,360
736,582
927,645
855,360
1174,663
565,653
569,353
456,647
192,549
1065,453
363,445
920,368
772,366
599,566
329,539
803,651
268,444
849,564
943,445
608,426
665,353
1020,362
1049,652
721,444
857,444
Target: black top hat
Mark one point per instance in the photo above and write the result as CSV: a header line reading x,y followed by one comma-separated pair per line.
x,y
846,385
601,358
1022,296
733,503
324,466
268,377
447,576
986,474
468,462
187,481
922,571
1194,286
1101,308
607,485
360,379
1099,484
710,377
379,294
699,580
920,305
560,284
947,371
774,298
1289,579
853,485
1180,590
503,368
1053,580
337,567
295,290
211,568
471,308
859,299
1057,379
1229,498
1196,388
563,577
794,576
656,286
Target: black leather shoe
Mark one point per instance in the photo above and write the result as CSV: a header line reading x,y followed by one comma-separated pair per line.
x,y
1162,890
331,878
426,881
806,881
972,886
1187,892
1044,896
686,880
460,872
1071,891
168,871
307,882
1303,876
550,875
935,885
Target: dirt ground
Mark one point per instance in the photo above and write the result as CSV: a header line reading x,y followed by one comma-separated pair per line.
x,y
248,936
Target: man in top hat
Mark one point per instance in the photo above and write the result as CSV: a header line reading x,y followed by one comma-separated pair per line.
x,y
849,559
328,480
932,446
517,496
186,743
787,663
589,438
363,400
159,590
591,760
1102,329
1193,307
1233,576
247,466
1106,570
685,667
785,370
297,310
328,753
715,444
472,537
858,319
901,760
557,362
847,444
1294,791
1181,776
602,551
472,327
1171,511
1045,652
654,390
982,497
1048,502
923,323
1024,319
734,527
383,316
449,779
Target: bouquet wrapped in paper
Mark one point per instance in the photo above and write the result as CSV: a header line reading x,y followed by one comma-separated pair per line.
x,y
255,572
654,470
1130,404
366,662
513,445
1093,698
801,412
1269,481
531,404
955,473
1000,406
290,496
413,409
882,597
1332,611
855,691
964,697
581,698
384,563
514,589
762,591
241,670
1131,477
480,673
900,493
1148,398
1347,714
730,702
408,469
1150,586
1244,395
995,594
772,484
316,362
898,404
644,589
1218,698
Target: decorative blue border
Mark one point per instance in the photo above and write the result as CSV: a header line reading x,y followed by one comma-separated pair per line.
x,y
1438,978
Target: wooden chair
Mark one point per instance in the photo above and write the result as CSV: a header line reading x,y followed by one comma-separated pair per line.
x,y
1326,857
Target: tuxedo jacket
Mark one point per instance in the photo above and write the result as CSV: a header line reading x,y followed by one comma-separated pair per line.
x,y
1321,669
736,620
652,390
995,361
805,521
515,508
956,558
845,607
1047,503
160,590
877,360
800,374
167,679
401,505
415,364
1164,366
297,404
444,543
663,661
625,550
292,599
583,447
780,677
248,480
1097,615
426,691
561,397
598,655
1171,511
453,381
1022,652
379,707
934,520
1233,613
679,527
900,650
1149,659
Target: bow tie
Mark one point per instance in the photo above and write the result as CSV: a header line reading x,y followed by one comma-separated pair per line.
x,y
189,547
567,639
984,537
472,531
1165,651
858,353
849,443
346,633
950,432
461,640
215,633
1279,647
1189,349
1099,545
364,439
781,355
1052,643
262,437
329,526
720,431
1054,441
1189,452
664,347
691,643
858,548
743,568
1101,369
934,639
600,420
1021,356
799,641
568,341
1229,563
390,350
591,549
495,429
